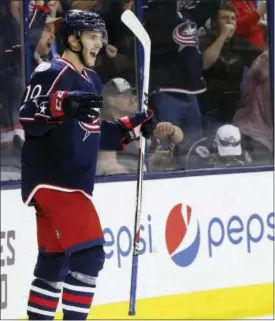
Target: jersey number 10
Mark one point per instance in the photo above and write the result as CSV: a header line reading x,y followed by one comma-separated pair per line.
x,y
32,93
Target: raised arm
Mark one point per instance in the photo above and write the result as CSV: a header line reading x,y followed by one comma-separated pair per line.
x,y
116,134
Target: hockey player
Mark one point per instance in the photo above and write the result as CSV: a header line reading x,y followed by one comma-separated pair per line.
x,y
63,132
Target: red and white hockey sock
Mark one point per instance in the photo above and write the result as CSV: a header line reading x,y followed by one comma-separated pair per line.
x,y
43,300
77,297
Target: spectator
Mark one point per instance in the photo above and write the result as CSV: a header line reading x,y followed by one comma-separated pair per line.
x,y
222,150
43,47
9,32
184,113
176,69
264,27
254,116
11,73
176,43
121,44
224,58
15,10
167,137
248,19
89,5
43,21
234,36
38,13
117,31
54,7
198,11
119,101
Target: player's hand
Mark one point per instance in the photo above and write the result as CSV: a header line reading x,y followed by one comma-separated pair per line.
x,y
148,123
139,124
77,105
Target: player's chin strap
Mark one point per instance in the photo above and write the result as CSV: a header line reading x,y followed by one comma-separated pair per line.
x,y
80,52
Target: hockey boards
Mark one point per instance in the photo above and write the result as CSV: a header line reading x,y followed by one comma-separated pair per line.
x,y
133,23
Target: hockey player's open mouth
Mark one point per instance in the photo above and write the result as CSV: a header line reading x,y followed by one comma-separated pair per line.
x,y
93,54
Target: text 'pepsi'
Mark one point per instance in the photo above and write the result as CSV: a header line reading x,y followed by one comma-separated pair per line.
x,y
118,243
238,230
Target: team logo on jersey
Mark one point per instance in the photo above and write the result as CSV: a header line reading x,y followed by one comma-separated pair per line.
x,y
185,34
90,128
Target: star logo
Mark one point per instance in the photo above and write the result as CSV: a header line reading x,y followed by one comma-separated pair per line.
x,y
43,107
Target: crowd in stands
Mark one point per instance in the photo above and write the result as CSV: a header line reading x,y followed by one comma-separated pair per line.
x,y
209,80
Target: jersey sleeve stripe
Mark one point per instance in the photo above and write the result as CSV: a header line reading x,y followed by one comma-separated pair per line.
x,y
26,119
33,17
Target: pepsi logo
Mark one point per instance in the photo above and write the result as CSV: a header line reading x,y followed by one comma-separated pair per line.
x,y
182,235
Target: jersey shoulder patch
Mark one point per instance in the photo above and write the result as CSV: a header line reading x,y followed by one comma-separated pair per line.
x,y
43,67
47,72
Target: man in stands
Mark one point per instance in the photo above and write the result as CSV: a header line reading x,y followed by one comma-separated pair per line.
x,y
43,47
120,101
254,116
224,149
224,58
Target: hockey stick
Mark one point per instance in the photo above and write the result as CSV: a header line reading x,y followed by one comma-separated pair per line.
x,y
132,22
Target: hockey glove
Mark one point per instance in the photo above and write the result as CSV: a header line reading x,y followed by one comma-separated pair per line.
x,y
77,105
140,123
